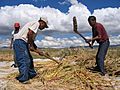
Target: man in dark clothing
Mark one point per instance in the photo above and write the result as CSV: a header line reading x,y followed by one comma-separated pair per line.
x,y
99,35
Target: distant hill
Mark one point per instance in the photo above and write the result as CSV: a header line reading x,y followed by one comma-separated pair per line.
x,y
6,47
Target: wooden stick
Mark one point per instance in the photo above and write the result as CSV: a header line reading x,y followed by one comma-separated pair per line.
x,y
46,55
75,30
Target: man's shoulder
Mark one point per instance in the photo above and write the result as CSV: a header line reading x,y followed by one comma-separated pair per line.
x,y
99,24
32,23
29,24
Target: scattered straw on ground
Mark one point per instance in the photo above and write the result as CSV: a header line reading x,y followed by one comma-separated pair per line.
x,y
73,74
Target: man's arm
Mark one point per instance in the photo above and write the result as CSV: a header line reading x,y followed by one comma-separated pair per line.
x,y
92,40
31,38
33,47
96,38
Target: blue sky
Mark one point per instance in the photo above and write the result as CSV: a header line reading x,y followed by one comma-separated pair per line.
x,y
91,4
59,14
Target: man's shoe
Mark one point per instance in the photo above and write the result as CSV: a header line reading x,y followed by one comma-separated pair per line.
x,y
96,69
25,82
102,73
17,78
32,76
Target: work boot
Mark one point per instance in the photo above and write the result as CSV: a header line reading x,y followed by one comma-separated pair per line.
x,y
102,74
96,69
32,76
25,82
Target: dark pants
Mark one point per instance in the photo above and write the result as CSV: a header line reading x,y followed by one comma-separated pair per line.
x,y
14,57
24,60
102,51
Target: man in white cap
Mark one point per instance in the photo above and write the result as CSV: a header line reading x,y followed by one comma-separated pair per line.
x,y
24,41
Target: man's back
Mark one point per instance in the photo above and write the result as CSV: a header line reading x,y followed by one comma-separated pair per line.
x,y
22,34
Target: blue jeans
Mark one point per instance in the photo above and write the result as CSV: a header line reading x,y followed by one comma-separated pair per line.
x,y
24,60
102,51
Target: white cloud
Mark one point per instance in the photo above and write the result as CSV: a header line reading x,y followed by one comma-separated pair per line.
x,y
65,2
59,21
73,2
4,43
49,41
109,17
115,40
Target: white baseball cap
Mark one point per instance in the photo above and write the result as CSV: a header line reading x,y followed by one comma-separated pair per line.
x,y
45,20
